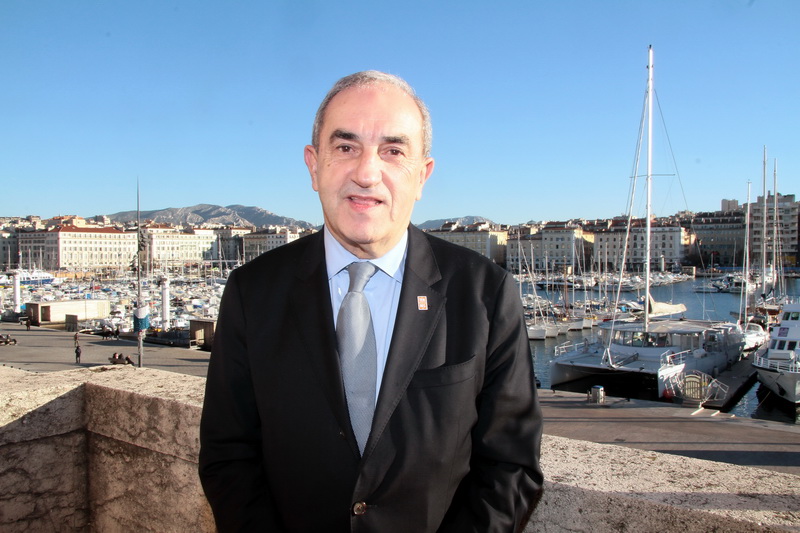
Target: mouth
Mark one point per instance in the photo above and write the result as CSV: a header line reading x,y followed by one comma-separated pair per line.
x,y
363,203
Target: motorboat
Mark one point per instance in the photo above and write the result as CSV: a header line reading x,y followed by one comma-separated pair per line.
x,y
778,367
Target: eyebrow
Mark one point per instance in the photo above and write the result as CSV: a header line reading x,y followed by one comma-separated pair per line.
x,y
350,136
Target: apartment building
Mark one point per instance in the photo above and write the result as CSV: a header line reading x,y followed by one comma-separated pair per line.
x,y
9,250
565,246
522,249
479,237
720,236
669,244
780,240
230,245
255,244
76,248
164,246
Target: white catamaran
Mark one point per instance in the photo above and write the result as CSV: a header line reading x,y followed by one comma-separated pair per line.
x,y
640,357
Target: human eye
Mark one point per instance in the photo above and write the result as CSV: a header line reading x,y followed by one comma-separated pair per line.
x,y
394,151
344,148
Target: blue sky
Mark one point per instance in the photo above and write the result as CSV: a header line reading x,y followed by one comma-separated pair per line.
x,y
536,105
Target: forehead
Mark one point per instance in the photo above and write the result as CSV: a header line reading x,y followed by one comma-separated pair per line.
x,y
379,108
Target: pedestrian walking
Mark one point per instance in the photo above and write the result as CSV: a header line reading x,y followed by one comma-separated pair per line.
x,y
77,355
76,339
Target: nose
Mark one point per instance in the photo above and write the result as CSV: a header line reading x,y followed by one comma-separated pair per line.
x,y
368,173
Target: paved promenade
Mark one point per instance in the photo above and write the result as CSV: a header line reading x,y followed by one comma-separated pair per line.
x,y
48,350
637,424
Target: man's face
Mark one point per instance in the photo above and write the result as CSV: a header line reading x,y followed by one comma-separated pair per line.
x,y
369,168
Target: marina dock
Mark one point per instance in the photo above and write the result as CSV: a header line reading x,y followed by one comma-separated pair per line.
x,y
667,428
738,380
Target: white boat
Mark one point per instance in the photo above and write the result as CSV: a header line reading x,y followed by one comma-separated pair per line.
x,y
779,368
28,277
642,358
536,332
754,336
627,360
713,286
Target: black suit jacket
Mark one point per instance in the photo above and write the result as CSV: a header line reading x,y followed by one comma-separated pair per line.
x,y
456,434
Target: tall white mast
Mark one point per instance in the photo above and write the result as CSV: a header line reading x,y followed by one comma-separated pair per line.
x,y
775,219
648,185
746,262
764,224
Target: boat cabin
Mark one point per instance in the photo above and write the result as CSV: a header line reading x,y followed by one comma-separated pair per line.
x,y
678,336
785,337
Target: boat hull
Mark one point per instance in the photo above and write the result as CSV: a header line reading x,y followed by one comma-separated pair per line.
x,y
783,384
643,365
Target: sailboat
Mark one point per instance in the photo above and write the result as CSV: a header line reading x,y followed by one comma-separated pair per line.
x,y
642,357
778,368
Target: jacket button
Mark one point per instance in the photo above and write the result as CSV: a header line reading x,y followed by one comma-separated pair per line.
x,y
359,508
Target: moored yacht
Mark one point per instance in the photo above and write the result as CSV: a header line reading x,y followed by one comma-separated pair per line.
x,y
779,368
629,360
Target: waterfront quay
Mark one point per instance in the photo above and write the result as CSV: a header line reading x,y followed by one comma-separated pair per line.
x,y
653,426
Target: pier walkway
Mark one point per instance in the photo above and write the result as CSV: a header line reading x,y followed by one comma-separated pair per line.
x,y
698,433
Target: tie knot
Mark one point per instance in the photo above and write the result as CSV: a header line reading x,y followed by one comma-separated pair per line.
x,y
360,272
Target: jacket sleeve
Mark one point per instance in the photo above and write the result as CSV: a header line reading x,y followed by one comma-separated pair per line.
x,y
505,479
231,465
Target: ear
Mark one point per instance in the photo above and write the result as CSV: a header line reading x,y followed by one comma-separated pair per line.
x,y
310,156
424,174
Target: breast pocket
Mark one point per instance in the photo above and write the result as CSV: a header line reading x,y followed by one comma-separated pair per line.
x,y
444,375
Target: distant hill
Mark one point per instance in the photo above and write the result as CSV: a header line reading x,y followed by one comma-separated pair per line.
x,y
242,215
462,221
232,215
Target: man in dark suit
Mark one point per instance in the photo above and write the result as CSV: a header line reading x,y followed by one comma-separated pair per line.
x,y
453,443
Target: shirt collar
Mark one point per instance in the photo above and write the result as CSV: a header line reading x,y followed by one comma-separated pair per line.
x,y
392,262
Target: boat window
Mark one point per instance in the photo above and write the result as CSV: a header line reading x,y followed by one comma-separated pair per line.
x,y
792,345
781,345
786,315
773,344
638,338
796,315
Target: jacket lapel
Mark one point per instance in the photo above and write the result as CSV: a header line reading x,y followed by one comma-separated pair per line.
x,y
312,310
419,311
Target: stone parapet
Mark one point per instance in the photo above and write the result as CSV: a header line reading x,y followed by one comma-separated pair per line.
x,y
115,449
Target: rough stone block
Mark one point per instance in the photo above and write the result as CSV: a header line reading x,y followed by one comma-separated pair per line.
x,y
43,485
137,489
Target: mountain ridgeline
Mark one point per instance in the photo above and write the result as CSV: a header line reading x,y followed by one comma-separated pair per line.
x,y
232,215
244,216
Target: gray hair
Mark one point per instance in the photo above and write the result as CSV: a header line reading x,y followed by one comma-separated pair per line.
x,y
374,77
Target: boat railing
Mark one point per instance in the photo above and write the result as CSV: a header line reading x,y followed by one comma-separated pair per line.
x,y
621,361
772,364
570,346
670,358
696,386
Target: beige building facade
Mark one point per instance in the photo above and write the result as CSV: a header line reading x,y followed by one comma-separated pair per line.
x,y
76,248
257,243
490,243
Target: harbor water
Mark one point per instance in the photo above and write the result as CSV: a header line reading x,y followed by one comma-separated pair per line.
x,y
709,306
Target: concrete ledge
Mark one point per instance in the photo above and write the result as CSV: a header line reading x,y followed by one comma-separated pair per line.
x,y
115,449
596,487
